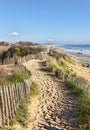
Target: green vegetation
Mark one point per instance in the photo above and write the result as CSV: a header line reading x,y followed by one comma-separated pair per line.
x,y
16,77
52,64
59,61
83,111
22,115
8,128
20,51
34,89
76,89
57,54
61,64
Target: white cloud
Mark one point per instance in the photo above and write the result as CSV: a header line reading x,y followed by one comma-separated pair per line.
x,y
51,40
14,34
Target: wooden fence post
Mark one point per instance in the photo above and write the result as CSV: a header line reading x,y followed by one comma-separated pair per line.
x,y
0,107
3,107
6,106
9,102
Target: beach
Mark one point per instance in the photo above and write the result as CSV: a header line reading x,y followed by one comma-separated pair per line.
x,y
80,52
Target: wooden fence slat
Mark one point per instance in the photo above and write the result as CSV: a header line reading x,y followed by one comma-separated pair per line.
x,y
6,106
10,102
18,93
12,98
0,106
16,98
3,107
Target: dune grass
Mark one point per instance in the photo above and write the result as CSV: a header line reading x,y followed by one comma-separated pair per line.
x,y
61,64
83,111
16,77
34,89
52,64
23,115
75,89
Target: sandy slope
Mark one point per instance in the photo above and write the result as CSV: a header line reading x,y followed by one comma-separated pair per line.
x,y
80,70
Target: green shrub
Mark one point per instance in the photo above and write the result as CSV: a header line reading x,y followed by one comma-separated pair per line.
x,y
14,51
20,50
16,77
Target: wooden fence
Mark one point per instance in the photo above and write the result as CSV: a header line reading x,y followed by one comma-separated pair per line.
x,y
76,80
23,68
10,98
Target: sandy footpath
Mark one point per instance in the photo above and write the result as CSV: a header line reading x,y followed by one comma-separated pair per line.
x,y
55,108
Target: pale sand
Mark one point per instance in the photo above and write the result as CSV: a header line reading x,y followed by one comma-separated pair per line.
x,y
80,70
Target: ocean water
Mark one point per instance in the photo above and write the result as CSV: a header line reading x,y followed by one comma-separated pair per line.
x,y
82,48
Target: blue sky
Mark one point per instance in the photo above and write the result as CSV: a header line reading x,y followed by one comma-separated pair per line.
x,y
45,20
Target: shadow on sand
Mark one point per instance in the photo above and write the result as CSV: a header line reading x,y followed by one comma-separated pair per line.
x,y
48,127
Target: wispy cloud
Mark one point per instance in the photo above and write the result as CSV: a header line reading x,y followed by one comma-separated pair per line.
x,y
14,34
51,39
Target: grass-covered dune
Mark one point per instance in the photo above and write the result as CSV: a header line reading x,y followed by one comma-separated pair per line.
x,y
74,81
12,74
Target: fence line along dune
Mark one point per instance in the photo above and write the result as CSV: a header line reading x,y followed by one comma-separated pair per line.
x,y
10,98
